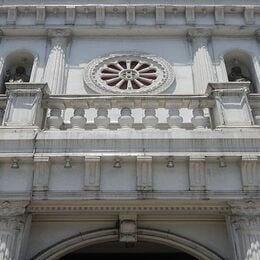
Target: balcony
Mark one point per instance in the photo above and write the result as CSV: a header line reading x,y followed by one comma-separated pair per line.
x,y
224,105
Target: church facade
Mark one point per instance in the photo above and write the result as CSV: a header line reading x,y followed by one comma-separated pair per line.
x,y
130,128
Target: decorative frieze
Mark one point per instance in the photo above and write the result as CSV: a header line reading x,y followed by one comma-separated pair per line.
x,y
144,173
98,13
197,173
41,173
92,173
249,173
128,228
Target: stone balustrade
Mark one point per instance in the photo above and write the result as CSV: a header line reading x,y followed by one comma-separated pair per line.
x,y
122,108
30,105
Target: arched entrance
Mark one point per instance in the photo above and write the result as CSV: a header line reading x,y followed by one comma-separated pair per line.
x,y
74,244
118,250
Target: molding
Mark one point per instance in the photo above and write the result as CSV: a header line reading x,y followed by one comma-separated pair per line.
x,y
127,14
124,207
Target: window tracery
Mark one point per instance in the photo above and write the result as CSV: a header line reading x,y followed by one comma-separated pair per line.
x,y
129,73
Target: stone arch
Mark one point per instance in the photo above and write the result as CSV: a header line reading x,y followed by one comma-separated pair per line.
x,y
20,57
74,243
245,60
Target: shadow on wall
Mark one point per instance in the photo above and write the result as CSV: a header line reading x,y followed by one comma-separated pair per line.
x,y
17,68
239,67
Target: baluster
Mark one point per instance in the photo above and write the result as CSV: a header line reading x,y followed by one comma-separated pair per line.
x,y
102,120
55,120
126,120
199,120
174,119
150,120
78,121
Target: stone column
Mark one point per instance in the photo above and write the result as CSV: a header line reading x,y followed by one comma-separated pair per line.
x,y
244,226
13,221
203,71
55,72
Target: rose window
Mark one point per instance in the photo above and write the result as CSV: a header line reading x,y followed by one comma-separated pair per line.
x,y
129,74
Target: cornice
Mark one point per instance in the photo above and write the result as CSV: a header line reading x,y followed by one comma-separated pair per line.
x,y
125,15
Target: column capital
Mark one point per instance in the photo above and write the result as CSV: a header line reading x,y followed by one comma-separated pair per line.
x,y
59,33
249,209
199,33
12,208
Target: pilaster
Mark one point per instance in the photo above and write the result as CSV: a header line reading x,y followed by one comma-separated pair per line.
x,y
41,173
245,229
249,173
203,71
144,173
55,72
197,173
92,173
12,229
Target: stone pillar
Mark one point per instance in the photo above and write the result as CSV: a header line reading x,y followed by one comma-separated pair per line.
x,y
55,72
244,225
203,71
13,222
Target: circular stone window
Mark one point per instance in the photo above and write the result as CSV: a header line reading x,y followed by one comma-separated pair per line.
x,y
127,73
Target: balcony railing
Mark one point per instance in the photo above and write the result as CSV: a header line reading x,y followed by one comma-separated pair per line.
x,y
223,105
128,112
